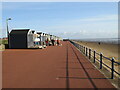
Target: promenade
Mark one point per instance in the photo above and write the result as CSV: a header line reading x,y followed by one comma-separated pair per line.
x,y
54,67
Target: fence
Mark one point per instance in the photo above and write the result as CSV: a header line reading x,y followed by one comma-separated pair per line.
x,y
94,55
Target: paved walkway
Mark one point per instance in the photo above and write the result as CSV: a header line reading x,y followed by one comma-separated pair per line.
x,y
53,67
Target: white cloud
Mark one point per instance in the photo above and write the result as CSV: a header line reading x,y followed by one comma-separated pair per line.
x,y
101,18
78,35
98,27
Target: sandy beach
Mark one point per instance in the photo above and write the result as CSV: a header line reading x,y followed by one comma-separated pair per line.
x,y
107,49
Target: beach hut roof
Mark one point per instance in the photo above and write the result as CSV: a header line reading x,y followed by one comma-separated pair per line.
x,y
39,32
33,31
19,31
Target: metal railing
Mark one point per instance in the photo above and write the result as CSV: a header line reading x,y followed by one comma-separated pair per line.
x,y
93,54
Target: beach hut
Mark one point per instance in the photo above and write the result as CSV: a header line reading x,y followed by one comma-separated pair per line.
x,y
21,38
43,40
36,40
40,38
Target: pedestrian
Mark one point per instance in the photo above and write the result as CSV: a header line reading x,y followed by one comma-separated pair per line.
x,y
58,42
53,42
99,43
47,42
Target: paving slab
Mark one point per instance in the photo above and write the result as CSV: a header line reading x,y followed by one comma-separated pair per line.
x,y
53,67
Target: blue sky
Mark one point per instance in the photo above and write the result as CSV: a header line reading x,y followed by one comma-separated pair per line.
x,y
66,19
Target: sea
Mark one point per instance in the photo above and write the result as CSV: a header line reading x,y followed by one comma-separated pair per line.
x,y
102,40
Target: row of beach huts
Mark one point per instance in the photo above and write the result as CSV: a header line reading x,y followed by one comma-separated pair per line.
x,y
27,38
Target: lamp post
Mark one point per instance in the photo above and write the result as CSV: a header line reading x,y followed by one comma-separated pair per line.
x,y
8,31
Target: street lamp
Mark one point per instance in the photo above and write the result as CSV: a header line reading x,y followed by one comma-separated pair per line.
x,y
7,29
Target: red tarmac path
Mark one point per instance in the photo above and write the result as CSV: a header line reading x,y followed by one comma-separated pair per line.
x,y
54,67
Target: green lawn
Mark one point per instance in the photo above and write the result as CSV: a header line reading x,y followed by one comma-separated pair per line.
x,y
3,41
